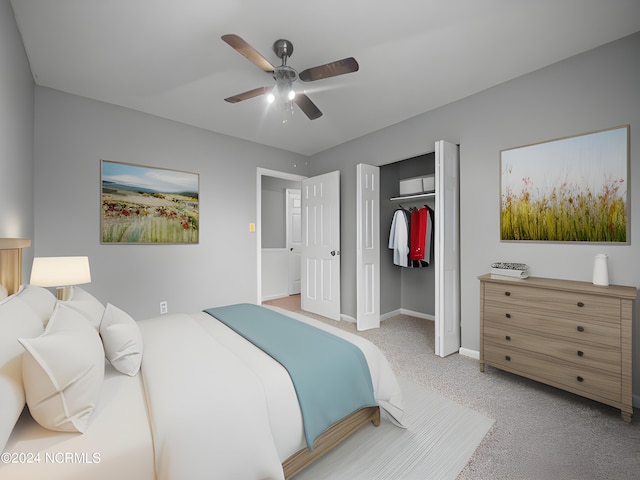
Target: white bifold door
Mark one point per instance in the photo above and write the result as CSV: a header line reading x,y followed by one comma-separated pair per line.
x,y
446,248
368,246
320,249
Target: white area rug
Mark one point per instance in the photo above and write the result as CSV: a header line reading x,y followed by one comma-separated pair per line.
x,y
440,437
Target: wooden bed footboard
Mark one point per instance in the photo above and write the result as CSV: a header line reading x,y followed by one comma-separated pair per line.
x,y
330,438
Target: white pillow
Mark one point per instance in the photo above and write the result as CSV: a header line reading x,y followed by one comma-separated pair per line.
x,y
40,299
122,340
63,371
87,304
17,319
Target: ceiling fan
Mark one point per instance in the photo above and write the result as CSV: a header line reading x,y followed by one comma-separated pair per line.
x,y
284,75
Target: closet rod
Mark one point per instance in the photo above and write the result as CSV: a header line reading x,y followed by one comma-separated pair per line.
x,y
412,197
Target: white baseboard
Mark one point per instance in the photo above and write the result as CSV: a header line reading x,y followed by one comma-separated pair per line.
x,y
347,318
389,315
469,353
411,313
274,296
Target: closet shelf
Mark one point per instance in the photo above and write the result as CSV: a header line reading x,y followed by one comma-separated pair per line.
x,y
415,196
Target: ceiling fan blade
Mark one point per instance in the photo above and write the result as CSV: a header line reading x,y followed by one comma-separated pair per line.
x,y
247,95
307,106
340,67
248,51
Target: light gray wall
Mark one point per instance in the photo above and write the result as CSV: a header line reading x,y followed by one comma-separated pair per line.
x,y
598,89
595,90
73,134
16,135
274,200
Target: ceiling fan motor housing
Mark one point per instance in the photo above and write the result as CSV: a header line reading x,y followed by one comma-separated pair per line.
x,y
285,74
283,49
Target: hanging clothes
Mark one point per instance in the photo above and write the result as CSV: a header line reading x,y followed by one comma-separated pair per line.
x,y
411,237
428,249
399,237
418,235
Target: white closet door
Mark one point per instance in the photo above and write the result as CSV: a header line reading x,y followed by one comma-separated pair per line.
x,y
368,246
447,250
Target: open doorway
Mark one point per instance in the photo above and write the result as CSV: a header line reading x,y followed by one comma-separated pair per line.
x,y
276,265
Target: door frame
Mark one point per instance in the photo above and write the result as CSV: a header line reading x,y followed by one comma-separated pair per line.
x,y
265,172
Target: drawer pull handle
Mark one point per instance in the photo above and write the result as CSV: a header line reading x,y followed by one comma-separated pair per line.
x,y
508,294
580,328
580,353
508,315
507,338
507,358
580,304
579,378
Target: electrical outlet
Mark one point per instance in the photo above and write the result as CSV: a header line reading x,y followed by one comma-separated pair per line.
x,y
163,307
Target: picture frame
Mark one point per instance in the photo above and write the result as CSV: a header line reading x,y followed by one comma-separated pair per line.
x,y
148,205
572,189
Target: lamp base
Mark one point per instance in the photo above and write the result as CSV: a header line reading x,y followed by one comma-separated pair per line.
x,y
63,293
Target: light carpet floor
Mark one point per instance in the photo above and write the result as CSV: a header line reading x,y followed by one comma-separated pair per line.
x,y
540,433
439,438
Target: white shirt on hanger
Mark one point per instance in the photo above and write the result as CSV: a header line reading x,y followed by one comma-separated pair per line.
x,y
399,238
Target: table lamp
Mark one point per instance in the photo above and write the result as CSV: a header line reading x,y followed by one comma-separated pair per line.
x,y
60,272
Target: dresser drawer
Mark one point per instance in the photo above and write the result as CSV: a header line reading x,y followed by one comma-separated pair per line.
x,y
578,329
576,304
581,354
585,381
565,333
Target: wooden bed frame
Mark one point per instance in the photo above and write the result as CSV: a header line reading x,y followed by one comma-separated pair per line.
x,y
330,438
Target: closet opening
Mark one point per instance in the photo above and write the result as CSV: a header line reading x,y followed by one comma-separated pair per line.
x,y
405,290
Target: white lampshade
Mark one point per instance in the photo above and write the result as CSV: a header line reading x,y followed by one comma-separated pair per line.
x,y
60,272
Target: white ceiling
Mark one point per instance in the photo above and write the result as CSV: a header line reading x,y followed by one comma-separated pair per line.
x,y
166,58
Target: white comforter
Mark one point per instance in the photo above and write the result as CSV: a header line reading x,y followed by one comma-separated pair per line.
x,y
222,408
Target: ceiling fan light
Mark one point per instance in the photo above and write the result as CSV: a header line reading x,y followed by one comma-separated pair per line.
x,y
291,95
271,97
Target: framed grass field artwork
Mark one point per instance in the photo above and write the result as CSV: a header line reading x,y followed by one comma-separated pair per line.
x,y
572,189
148,205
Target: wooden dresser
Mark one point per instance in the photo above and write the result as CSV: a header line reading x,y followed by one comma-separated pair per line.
x,y
572,335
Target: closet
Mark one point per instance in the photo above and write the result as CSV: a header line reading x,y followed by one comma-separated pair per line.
x,y
431,292
410,290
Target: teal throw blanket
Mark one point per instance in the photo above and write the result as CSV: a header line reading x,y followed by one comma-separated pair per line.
x,y
330,375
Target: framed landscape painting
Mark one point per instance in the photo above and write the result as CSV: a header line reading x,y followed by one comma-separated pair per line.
x,y
572,189
148,205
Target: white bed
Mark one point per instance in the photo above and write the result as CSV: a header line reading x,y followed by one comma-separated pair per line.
x,y
205,404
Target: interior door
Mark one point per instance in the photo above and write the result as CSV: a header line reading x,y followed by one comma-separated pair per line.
x,y
447,250
320,251
368,246
294,238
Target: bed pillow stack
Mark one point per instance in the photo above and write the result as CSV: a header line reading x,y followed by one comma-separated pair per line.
x,y
122,340
52,356
63,371
119,332
17,320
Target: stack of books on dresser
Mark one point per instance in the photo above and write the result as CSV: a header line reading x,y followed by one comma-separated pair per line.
x,y
509,270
